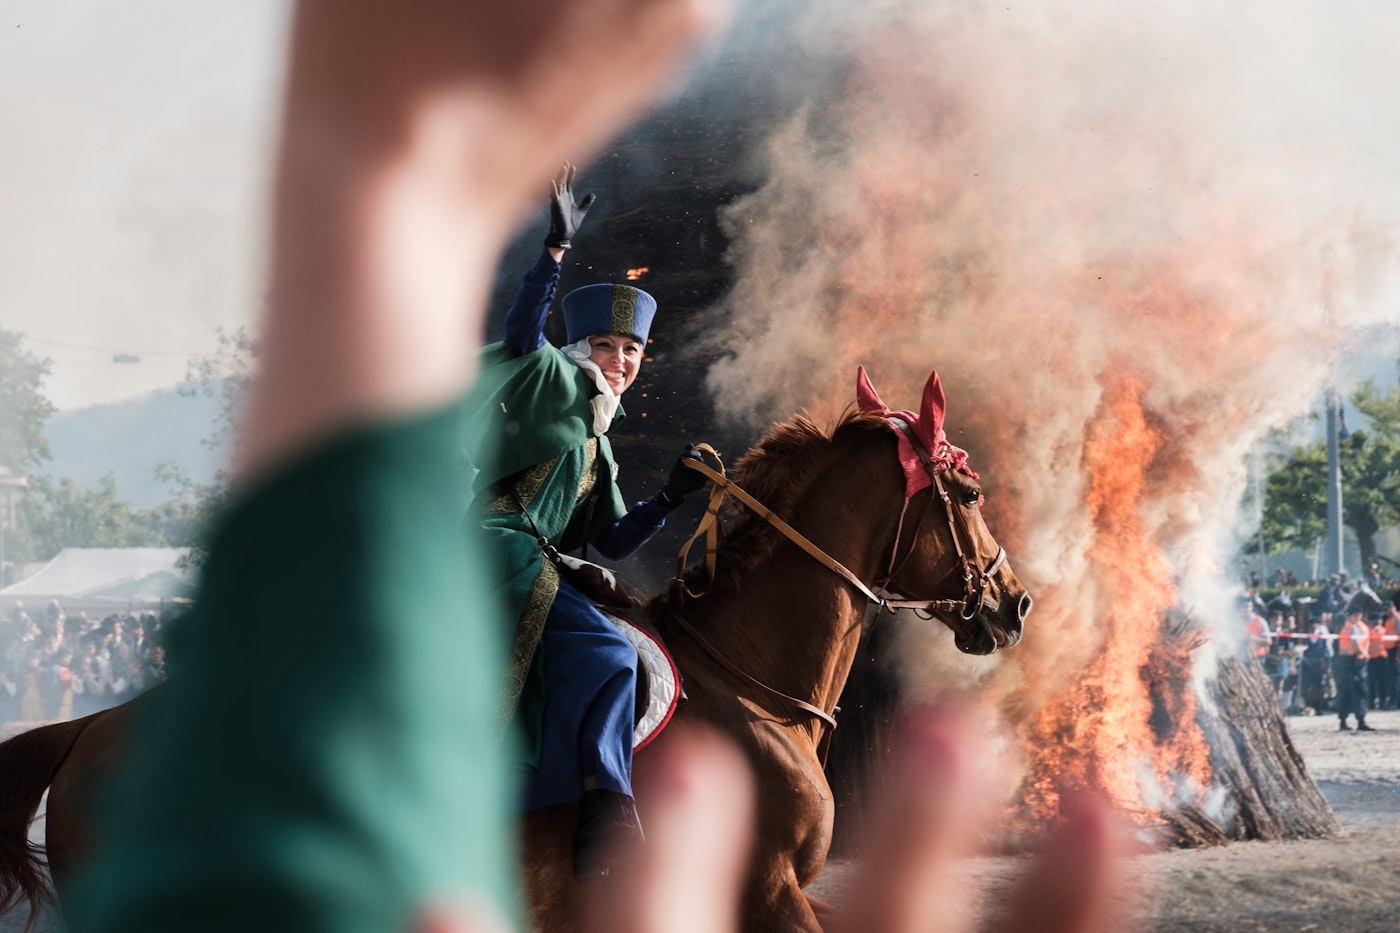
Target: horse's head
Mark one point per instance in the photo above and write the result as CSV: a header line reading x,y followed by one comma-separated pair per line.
x,y
944,558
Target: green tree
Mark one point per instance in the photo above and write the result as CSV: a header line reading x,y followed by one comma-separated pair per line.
x,y
58,513
1295,495
1382,409
23,406
187,519
224,376
1295,500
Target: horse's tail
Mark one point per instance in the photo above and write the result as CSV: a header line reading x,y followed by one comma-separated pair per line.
x,y
28,763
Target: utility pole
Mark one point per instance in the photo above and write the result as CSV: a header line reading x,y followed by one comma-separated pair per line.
x,y
1258,479
1334,559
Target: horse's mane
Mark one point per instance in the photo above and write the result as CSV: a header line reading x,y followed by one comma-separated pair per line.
x,y
777,471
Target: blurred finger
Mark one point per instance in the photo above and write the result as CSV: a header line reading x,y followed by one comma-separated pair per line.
x,y
1080,881
463,916
696,796
927,821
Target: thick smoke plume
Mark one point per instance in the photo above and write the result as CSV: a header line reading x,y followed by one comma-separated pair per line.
x,y
1132,238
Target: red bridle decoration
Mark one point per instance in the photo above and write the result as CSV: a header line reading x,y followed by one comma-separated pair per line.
x,y
927,429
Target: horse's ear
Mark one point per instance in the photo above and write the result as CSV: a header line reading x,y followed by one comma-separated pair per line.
x,y
867,398
931,409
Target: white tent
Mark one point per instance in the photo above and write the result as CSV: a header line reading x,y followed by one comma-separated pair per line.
x,y
115,576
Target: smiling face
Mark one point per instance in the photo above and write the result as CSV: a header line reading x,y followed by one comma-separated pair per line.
x,y
618,357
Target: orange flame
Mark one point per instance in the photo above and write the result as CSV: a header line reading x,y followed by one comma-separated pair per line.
x,y
1099,732
946,220
635,274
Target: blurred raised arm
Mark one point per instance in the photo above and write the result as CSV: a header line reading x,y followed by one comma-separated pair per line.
x,y
415,134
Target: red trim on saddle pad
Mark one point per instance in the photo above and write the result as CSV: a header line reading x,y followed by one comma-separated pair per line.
x,y
664,695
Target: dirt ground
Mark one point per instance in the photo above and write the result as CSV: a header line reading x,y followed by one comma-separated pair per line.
x,y
1347,884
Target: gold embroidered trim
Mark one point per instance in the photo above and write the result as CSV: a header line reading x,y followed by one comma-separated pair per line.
x,y
588,478
527,639
624,309
526,486
530,482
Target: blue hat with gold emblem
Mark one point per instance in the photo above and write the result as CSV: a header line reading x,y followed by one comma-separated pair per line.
x,y
608,309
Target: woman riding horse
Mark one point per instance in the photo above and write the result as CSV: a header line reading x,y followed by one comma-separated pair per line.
x,y
571,680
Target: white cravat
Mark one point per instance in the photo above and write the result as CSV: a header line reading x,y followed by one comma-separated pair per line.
x,y
605,403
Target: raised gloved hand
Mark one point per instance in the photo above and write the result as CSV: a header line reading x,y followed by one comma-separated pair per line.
x,y
683,480
565,216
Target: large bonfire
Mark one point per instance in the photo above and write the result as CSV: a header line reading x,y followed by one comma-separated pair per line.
x,y
1100,730
1122,298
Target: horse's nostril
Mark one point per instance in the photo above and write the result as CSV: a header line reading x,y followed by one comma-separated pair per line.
x,y
1023,608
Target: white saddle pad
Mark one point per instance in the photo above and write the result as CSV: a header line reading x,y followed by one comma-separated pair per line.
x,y
662,677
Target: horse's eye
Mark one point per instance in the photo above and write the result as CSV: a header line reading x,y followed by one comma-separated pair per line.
x,y
972,498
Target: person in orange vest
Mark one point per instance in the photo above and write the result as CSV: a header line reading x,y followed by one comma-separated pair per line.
x,y
1353,648
1377,658
1256,629
1391,634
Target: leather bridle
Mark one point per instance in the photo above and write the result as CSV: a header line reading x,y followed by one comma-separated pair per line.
x,y
975,579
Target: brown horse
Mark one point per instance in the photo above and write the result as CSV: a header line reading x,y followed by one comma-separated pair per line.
x,y
775,633
879,508
68,759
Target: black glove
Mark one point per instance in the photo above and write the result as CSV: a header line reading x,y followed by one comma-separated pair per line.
x,y
683,480
565,217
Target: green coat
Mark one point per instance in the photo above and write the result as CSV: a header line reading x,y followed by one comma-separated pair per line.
x,y
529,439
321,761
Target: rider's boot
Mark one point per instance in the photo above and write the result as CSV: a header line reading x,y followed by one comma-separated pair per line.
x,y
607,825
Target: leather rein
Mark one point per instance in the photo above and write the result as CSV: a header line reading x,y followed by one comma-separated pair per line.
x,y
975,578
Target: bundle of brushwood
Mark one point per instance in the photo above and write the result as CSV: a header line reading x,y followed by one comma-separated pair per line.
x,y
1269,793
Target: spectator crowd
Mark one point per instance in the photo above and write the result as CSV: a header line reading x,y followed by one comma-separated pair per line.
x,y
1336,652
1319,652
55,666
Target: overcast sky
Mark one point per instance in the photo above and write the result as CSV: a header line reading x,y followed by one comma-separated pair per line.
x,y
134,167
131,181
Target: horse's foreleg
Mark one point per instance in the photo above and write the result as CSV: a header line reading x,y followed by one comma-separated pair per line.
x,y
556,901
828,916
780,906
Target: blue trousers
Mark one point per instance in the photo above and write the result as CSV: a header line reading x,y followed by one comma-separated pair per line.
x,y
590,674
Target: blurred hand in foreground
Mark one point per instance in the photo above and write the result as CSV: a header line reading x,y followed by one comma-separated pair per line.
x,y
701,817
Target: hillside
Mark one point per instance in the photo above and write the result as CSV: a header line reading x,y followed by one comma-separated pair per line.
x,y
130,439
